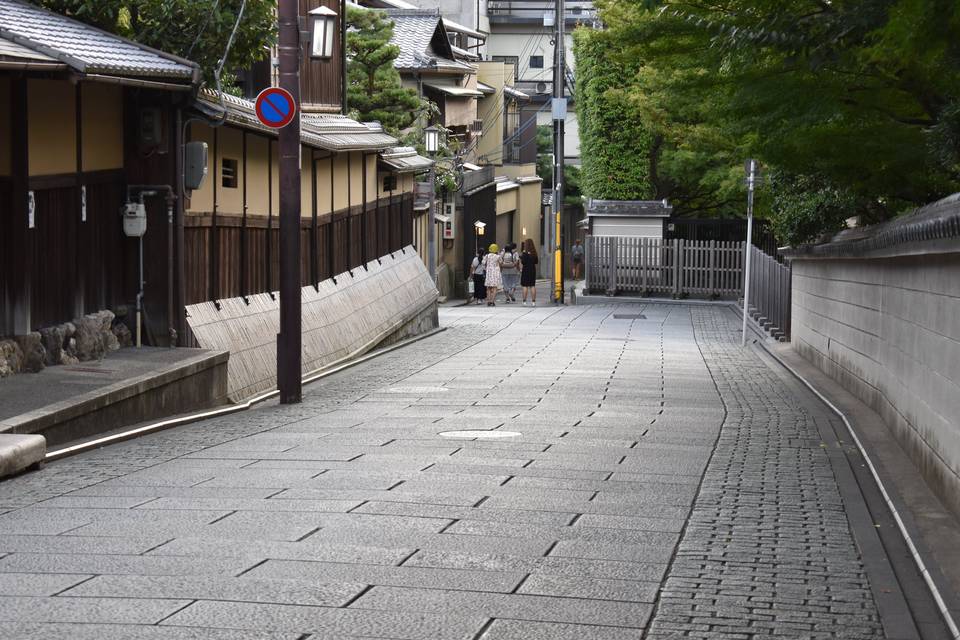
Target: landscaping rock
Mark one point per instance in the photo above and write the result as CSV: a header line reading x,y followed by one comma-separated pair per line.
x,y
34,355
122,332
11,358
89,338
54,339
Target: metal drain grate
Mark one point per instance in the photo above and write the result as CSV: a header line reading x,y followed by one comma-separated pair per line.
x,y
629,316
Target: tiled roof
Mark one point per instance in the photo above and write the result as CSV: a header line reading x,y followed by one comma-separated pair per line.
x,y
333,132
421,47
405,160
84,48
10,49
629,208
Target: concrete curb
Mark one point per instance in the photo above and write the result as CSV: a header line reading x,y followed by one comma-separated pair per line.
x,y
45,417
243,406
19,452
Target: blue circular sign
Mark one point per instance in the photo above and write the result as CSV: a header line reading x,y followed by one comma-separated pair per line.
x,y
275,107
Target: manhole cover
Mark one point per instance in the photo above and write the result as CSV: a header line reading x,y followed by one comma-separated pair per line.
x,y
418,390
486,435
629,316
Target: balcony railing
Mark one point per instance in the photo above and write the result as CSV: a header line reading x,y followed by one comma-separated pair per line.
x,y
582,11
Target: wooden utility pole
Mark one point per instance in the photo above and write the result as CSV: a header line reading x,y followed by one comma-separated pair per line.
x,y
289,339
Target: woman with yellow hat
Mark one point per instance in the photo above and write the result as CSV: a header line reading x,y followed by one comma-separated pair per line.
x,y
493,281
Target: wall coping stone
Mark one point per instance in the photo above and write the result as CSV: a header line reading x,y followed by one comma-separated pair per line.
x,y
931,229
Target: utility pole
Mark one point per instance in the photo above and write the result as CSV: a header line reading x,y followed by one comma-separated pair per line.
x,y
289,339
751,184
559,116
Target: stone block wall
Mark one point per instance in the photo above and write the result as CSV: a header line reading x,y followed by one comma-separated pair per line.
x,y
888,330
340,320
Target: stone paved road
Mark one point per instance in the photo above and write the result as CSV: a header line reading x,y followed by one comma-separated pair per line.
x,y
664,484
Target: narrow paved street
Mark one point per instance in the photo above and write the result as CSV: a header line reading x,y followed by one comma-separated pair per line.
x,y
664,483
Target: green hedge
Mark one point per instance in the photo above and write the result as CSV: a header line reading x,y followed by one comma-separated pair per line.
x,y
614,145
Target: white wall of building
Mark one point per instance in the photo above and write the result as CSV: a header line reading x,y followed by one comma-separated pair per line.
x,y
571,134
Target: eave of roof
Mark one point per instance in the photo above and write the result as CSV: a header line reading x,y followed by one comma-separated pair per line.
x,y
454,90
628,208
330,132
86,49
463,54
486,89
450,25
405,160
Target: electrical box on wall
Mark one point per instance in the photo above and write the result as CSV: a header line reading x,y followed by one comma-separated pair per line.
x,y
194,164
134,219
150,129
449,226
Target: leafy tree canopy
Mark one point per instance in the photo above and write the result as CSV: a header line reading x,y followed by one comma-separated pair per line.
x,y
374,90
853,105
194,29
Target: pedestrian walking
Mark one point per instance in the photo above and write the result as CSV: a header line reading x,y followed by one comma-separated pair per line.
x,y
510,271
576,254
492,279
528,271
477,272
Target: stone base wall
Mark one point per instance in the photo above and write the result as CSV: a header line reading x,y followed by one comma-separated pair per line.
x,y
345,317
888,330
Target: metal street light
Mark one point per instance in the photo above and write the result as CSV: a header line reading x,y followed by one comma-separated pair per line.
x,y
323,25
431,140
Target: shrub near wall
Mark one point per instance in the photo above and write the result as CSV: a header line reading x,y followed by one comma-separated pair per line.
x,y
614,145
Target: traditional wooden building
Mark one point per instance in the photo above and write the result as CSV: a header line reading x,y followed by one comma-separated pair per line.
x,y
90,121
83,114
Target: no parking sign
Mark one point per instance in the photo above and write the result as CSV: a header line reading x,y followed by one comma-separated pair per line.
x,y
275,107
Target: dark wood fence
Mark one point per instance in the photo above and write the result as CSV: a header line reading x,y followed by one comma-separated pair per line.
x,y
721,230
229,256
76,259
770,290
677,268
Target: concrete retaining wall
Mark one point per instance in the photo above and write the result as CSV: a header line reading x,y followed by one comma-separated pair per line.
x,y
888,330
183,386
340,321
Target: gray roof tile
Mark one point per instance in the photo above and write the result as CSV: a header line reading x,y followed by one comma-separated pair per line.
x,y
414,32
85,48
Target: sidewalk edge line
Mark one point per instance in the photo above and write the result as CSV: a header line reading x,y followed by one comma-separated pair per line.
x,y
921,566
312,376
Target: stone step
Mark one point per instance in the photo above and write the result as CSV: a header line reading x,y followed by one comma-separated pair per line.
x,y
20,451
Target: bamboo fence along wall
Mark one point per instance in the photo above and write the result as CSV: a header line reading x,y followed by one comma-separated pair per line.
x,y
668,267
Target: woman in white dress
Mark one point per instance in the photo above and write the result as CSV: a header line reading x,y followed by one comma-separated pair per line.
x,y
492,280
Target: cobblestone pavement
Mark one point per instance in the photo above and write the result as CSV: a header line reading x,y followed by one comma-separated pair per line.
x,y
663,484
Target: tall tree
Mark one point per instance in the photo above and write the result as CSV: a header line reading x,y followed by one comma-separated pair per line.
x,y
854,103
374,90
194,29
613,138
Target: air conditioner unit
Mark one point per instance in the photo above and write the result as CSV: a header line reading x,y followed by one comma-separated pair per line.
x,y
542,88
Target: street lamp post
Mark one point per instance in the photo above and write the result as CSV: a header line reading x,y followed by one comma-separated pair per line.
x,y
751,168
432,143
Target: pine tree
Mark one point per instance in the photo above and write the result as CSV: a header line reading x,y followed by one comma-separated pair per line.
x,y
374,90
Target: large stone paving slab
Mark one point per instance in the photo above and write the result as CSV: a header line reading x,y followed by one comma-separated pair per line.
x,y
656,488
